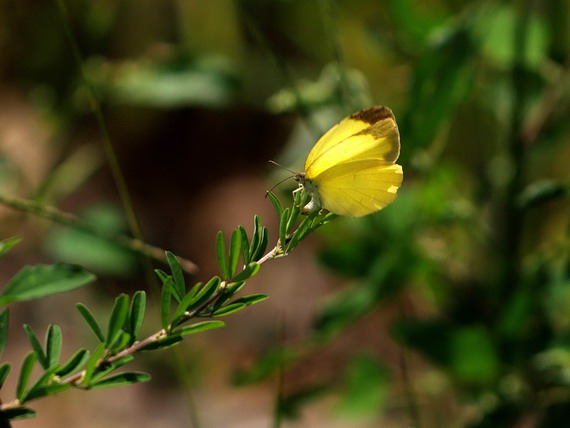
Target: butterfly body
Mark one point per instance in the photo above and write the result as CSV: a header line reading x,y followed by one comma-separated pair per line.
x,y
351,170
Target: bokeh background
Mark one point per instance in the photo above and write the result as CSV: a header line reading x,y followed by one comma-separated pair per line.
x,y
450,308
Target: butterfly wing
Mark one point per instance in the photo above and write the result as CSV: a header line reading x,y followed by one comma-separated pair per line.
x,y
359,188
351,170
368,134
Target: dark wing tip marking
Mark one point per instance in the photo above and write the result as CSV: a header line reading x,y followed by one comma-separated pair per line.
x,y
374,114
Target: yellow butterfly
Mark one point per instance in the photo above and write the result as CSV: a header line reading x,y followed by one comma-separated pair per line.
x,y
351,170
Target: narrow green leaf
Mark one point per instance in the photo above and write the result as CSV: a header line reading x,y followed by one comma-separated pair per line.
x,y
179,286
120,342
249,271
36,346
136,318
251,299
7,244
118,317
53,342
46,390
40,383
299,234
255,236
162,275
258,253
165,300
227,294
194,290
39,281
18,413
4,371
200,326
244,245
235,247
283,221
91,321
221,255
229,309
4,324
165,342
75,362
25,372
92,364
276,203
293,217
108,367
122,379
204,294
181,309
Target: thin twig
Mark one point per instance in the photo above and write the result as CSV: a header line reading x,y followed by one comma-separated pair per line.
x,y
106,142
68,219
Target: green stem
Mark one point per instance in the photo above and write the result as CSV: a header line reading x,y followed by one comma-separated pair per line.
x,y
512,216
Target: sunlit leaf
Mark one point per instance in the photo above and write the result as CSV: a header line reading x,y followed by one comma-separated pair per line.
x,y
75,362
200,326
25,372
179,285
122,379
118,317
221,255
91,321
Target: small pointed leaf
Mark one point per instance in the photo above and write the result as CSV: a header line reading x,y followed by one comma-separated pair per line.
x,y
53,342
46,390
249,271
92,363
165,342
122,379
136,318
118,318
25,372
75,362
229,309
276,203
244,245
165,300
41,383
204,294
221,255
264,239
200,326
91,321
36,346
179,286
283,221
235,247
251,299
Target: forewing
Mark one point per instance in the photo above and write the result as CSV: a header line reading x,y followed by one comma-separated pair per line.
x,y
368,134
359,188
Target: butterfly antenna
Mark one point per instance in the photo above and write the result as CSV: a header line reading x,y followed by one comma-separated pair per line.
x,y
281,166
282,181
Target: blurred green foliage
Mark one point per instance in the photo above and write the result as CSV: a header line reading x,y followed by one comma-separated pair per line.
x,y
472,260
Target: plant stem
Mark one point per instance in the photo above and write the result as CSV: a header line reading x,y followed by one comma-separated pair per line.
x,y
516,151
68,219
106,142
